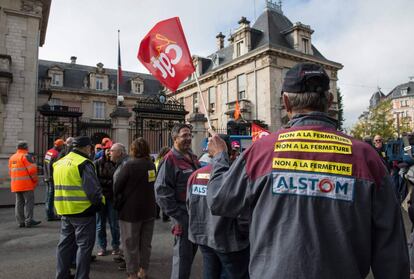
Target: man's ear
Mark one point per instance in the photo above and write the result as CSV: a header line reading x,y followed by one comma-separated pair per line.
x,y
286,103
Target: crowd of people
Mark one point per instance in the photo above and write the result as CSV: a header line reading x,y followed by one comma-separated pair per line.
x,y
304,202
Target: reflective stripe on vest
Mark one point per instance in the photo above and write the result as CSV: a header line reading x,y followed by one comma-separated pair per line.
x,y
23,174
70,198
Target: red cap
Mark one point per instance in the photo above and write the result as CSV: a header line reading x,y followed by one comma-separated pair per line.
x,y
59,142
107,145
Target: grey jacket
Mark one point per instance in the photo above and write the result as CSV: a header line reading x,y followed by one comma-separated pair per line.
x,y
322,205
171,184
222,234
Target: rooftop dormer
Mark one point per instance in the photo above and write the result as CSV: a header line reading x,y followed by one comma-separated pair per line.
x,y
55,73
241,39
299,37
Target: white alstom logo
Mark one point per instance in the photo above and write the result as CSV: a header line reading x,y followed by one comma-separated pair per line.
x,y
200,190
313,185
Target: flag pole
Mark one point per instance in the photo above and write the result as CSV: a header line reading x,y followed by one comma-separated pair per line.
x,y
202,101
117,74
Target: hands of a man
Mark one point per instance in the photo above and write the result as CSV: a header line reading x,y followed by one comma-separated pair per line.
x,y
216,145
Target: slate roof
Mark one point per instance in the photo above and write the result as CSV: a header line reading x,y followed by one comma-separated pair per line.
x,y
376,98
266,31
396,92
74,74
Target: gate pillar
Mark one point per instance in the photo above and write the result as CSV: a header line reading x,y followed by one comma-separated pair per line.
x,y
120,125
197,120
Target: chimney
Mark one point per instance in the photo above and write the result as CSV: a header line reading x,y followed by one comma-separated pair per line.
x,y
220,40
73,60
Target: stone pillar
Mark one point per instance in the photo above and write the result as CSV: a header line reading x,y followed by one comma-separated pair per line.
x,y
198,120
120,125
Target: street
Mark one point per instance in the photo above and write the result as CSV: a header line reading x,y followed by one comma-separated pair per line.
x,y
30,253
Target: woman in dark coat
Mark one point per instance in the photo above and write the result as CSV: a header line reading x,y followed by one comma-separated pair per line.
x,y
135,200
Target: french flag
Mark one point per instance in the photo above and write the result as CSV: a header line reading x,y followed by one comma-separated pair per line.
x,y
119,62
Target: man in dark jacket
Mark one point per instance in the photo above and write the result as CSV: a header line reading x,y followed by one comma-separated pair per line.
x,y
223,241
321,203
171,190
105,169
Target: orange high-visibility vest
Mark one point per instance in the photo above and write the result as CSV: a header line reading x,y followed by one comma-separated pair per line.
x,y
23,173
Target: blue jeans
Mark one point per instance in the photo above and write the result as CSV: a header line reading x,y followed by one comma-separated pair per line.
x,y
50,197
216,265
110,214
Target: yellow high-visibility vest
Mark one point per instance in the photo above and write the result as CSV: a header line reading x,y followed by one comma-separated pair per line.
x,y
70,198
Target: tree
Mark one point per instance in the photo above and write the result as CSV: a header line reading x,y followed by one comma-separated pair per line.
x,y
378,120
341,118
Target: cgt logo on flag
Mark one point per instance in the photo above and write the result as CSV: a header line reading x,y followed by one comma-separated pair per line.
x,y
164,52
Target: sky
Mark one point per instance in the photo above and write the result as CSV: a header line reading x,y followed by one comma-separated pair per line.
x,y
372,39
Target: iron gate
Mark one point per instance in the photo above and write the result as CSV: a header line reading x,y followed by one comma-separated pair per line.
x,y
154,118
53,122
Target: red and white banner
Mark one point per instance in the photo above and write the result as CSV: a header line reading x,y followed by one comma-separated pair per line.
x,y
164,52
258,132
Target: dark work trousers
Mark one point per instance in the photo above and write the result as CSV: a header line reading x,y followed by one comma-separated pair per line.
x,y
216,265
136,243
77,235
183,254
50,197
24,207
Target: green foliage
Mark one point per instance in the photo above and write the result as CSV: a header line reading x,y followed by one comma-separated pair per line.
x,y
379,120
341,118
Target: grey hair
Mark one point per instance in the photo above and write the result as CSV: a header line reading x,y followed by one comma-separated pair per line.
x,y
121,147
309,100
177,128
69,141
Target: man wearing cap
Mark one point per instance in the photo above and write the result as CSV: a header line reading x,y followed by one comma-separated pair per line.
x,y
171,190
321,203
50,158
23,175
105,169
78,197
223,241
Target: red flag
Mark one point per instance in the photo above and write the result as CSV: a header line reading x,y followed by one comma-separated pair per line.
x,y
258,132
164,52
119,76
237,110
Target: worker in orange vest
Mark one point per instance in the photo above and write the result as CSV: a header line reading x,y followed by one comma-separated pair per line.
x,y
23,174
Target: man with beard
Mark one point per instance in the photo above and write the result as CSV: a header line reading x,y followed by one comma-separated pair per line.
x,y
171,189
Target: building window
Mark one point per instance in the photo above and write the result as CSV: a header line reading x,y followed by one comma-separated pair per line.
x,y
137,87
404,103
241,87
57,79
54,102
99,83
239,48
404,91
212,99
181,100
306,47
99,110
195,102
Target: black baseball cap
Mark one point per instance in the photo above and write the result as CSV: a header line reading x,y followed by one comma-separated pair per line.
x,y
306,77
82,141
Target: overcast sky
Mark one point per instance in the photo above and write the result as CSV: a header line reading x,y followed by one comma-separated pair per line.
x,y
373,39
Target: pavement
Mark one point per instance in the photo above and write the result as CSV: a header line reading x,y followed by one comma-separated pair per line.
x,y
31,252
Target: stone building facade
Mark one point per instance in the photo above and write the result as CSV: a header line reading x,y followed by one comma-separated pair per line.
x,y
251,69
77,99
402,97
23,25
